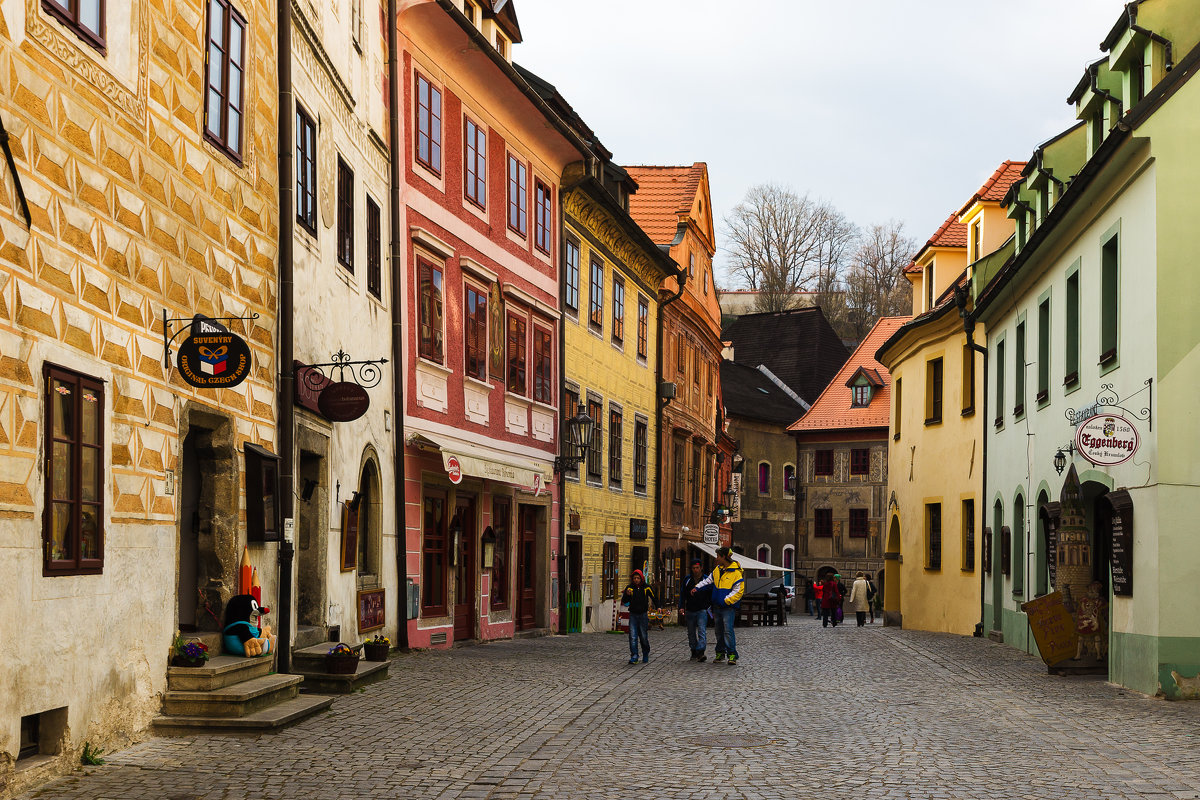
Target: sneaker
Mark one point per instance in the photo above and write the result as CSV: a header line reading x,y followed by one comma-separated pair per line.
x,y
633,660
718,658
732,660
702,657
645,659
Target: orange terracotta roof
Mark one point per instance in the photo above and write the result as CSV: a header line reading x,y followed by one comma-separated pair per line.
x,y
663,194
995,187
952,234
832,410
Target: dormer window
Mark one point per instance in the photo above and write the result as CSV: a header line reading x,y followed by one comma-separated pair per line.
x,y
862,385
929,295
471,13
976,239
861,395
502,46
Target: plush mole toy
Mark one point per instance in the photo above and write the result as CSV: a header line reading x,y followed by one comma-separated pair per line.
x,y
240,636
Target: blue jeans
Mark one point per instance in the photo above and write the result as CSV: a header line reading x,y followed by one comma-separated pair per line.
x,y
726,642
697,627
639,631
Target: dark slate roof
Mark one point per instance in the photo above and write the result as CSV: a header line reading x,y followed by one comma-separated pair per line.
x,y
749,393
800,347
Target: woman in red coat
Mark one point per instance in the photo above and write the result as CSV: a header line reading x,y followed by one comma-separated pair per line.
x,y
831,601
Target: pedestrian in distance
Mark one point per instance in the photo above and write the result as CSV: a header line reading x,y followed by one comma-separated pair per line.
x,y
860,601
810,598
640,599
841,597
831,602
728,586
694,607
818,590
871,597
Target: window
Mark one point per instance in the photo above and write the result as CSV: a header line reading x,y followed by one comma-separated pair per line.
x,y
1071,361
434,553
543,366
1043,388
859,528
85,17
595,456
976,239
1005,551
1109,267
501,511
429,125
572,277
1019,372
374,243
764,478
618,310
823,523
609,568
860,395
823,462
928,281
430,311
999,383
789,480
596,294
1137,78
1018,544
475,326
643,327
469,11
640,455
933,536
695,475
763,554
73,520
933,391
226,78
475,180
345,216
968,380
679,463
860,461
502,46
356,16
262,491
899,409
614,447
306,171
543,217
968,535
517,351
518,201
691,265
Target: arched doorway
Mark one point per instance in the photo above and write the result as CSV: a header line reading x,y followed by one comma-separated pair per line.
x,y
997,566
1045,546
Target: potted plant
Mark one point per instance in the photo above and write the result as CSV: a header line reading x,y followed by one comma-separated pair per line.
x,y
188,654
377,648
341,660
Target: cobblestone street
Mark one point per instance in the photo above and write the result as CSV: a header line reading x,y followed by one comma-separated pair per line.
x,y
845,712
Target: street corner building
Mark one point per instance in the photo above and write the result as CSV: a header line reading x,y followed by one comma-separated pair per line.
x,y
138,191
1092,485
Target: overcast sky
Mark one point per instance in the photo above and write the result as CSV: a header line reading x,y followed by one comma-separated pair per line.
x,y
889,109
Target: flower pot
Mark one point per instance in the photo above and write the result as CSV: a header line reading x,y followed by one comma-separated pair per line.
x,y
376,652
184,661
341,660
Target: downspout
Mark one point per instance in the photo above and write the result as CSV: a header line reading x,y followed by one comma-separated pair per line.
x,y
396,264
960,299
286,397
1094,74
1131,9
659,405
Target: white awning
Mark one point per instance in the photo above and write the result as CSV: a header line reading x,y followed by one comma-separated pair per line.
x,y
745,561
486,462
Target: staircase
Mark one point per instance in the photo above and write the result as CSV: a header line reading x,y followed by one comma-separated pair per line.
x,y
233,694
310,663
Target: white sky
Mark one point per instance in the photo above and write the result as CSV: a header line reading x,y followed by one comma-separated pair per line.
x,y
890,109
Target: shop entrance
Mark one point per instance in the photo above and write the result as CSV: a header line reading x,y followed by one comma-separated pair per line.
x,y
208,521
463,538
574,581
527,567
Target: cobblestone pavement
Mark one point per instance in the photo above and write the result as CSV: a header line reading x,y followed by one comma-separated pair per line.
x,y
845,712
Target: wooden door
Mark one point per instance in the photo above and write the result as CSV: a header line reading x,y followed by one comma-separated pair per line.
x,y
526,567
463,544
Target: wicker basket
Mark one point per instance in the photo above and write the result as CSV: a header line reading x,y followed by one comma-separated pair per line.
x,y
341,660
376,652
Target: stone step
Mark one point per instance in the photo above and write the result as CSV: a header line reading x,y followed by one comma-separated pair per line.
x,y
218,672
265,720
320,682
308,635
237,700
312,659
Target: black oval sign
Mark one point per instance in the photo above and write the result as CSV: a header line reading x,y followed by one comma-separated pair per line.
x,y
214,357
343,401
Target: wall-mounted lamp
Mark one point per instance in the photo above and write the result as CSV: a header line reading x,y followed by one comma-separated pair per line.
x,y
1060,458
577,440
738,462
489,547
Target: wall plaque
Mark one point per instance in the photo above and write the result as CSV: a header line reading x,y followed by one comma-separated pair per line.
x,y
1121,526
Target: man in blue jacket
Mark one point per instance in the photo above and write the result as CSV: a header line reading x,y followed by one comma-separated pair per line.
x,y
694,607
728,586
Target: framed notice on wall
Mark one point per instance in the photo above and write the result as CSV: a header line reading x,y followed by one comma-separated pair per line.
x,y
370,610
349,537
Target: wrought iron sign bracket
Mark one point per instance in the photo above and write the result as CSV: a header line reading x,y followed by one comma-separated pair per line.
x,y
169,337
365,373
1107,397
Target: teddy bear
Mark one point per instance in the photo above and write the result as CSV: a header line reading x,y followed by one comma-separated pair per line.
x,y
240,636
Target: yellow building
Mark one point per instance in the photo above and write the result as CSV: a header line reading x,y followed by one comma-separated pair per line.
x,y
932,553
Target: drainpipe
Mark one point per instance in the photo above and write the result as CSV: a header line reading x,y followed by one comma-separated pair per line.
x,y
396,263
286,374
659,405
1131,9
960,299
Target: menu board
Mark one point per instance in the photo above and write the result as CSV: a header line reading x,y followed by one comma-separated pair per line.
x,y
1121,527
1053,628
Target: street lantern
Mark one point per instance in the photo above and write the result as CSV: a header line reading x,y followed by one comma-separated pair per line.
x,y
730,496
577,440
1060,462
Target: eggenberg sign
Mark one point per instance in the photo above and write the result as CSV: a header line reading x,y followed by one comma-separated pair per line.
x,y
1106,439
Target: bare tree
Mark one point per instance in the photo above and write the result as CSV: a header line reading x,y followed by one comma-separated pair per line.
x,y
782,243
875,283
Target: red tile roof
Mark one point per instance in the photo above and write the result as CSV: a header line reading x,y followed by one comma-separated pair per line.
x,y
995,187
663,194
832,410
952,234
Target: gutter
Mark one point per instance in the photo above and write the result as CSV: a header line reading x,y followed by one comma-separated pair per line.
x,y
968,318
659,405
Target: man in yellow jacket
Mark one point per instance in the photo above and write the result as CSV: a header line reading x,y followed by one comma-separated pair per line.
x,y
728,586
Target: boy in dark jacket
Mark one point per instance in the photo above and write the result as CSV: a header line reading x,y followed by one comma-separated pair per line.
x,y
640,599
694,607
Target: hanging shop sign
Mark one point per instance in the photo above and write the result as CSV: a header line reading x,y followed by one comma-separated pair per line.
x,y
1107,439
213,357
454,470
344,399
712,534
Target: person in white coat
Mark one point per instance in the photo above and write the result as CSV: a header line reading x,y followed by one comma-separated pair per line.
x,y
859,599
